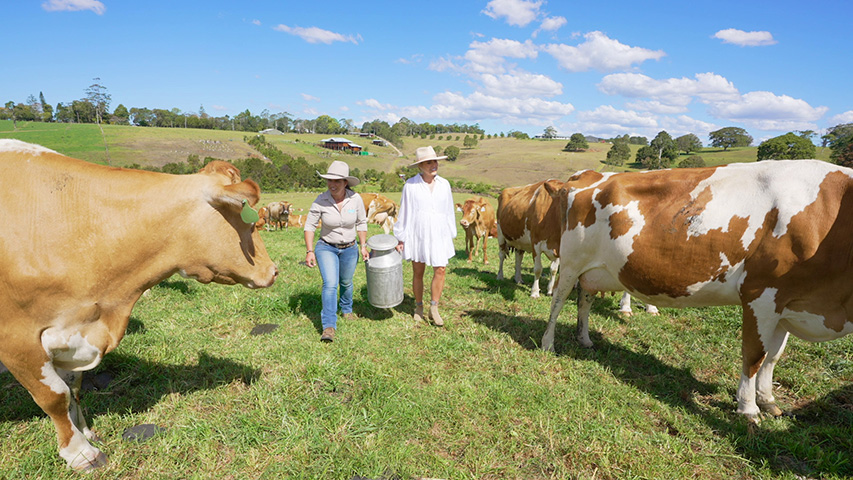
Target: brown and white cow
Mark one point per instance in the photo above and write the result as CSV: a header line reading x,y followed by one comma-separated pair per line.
x,y
380,210
528,221
72,265
478,221
774,237
277,213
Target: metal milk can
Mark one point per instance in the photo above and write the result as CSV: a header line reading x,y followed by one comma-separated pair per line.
x,y
384,272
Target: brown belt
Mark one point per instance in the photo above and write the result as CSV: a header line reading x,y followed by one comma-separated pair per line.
x,y
340,245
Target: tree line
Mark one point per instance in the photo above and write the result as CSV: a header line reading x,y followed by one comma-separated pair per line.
x,y
94,107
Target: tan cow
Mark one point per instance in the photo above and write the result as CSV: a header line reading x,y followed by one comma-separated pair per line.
x,y
380,209
72,266
296,220
262,218
478,221
528,221
774,237
277,213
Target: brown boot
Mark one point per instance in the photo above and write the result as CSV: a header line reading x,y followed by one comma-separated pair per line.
x,y
419,312
433,313
328,335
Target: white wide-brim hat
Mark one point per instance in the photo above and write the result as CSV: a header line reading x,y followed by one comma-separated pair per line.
x,y
339,170
425,154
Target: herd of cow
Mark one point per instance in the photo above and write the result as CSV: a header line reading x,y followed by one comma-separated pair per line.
x,y
380,209
775,237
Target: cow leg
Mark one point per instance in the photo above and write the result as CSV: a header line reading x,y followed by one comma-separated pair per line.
x,y
485,239
519,255
762,343
501,258
555,273
651,309
537,273
50,389
564,288
470,244
625,305
585,300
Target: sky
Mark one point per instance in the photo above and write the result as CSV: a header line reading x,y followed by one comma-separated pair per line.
x,y
603,68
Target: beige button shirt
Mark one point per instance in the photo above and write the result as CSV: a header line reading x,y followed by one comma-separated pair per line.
x,y
337,225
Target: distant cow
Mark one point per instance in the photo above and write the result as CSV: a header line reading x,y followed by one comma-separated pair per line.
x,y
528,221
262,218
380,210
774,237
478,221
277,213
72,266
296,220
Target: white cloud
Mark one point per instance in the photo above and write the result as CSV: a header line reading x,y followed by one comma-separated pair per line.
x,y
373,103
846,117
673,94
745,39
550,24
489,57
516,12
256,22
520,85
625,119
219,108
317,35
682,125
599,52
656,106
309,98
74,6
768,111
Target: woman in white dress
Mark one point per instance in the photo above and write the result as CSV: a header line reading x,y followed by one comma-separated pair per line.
x,y
425,229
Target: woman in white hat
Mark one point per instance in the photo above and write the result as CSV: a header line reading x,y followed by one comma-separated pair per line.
x,y
343,219
425,229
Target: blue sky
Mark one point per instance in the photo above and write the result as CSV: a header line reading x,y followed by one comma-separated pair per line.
x,y
601,68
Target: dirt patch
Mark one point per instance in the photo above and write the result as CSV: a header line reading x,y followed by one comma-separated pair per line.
x,y
159,152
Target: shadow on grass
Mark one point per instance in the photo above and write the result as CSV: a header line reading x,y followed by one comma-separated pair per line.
x,y
136,386
311,305
816,443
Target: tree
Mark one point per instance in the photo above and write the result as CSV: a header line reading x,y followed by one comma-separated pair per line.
x,y
688,143
691,162
550,132
840,141
619,153
452,152
730,137
325,124
470,141
660,153
577,143
120,115
97,95
786,147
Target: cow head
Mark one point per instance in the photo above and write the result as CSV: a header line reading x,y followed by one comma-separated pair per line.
x,y
472,210
224,247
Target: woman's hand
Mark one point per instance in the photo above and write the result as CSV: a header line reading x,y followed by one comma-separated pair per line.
x,y
364,253
400,247
310,260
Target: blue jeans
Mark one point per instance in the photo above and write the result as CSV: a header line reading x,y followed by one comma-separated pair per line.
x,y
337,266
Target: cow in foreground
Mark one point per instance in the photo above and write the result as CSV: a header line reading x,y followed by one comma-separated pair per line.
x,y
72,264
478,221
774,237
528,221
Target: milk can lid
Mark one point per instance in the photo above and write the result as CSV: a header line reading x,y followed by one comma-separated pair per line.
x,y
382,241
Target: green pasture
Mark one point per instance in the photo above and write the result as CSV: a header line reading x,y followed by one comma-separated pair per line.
x,y
477,399
500,162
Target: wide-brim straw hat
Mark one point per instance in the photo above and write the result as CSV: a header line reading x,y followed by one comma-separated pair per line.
x,y
425,154
339,170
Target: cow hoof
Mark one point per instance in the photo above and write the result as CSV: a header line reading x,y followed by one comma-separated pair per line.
x,y
626,314
771,409
88,460
534,295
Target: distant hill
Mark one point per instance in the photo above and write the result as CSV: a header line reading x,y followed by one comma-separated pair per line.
x,y
497,161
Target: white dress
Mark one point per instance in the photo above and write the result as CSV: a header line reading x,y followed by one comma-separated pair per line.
x,y
426,223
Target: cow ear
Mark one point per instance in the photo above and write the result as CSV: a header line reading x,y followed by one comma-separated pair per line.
x,y
222,168
237,197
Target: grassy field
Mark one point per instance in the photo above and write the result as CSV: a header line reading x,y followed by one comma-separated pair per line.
x,y
391,399
500,162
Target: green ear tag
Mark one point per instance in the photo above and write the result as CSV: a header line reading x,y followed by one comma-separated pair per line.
x,y
249,214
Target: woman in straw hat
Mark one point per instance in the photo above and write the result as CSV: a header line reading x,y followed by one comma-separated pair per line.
x,y
425,229
343,219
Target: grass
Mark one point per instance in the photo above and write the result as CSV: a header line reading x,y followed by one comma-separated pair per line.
x,y
476,399
497,161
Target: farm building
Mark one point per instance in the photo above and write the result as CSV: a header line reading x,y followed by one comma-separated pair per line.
x,y
341,144
270,131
